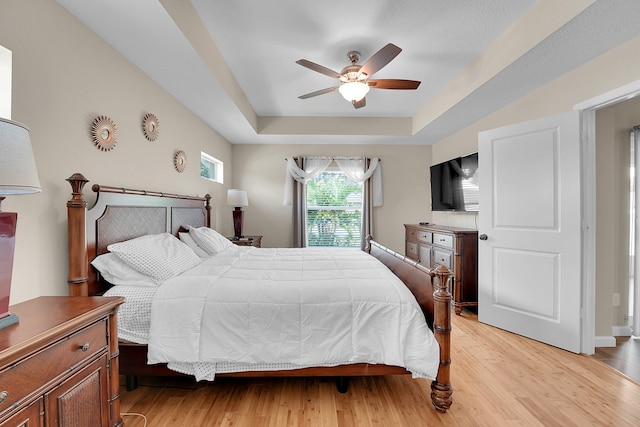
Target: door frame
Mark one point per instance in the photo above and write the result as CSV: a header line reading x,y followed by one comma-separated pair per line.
x,y
587,111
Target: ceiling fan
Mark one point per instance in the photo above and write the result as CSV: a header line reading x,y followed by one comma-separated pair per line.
x,y
356,79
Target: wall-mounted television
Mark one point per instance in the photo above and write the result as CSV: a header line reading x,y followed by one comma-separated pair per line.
x,y
454,185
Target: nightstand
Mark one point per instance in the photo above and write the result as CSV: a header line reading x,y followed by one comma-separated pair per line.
x,y
59,364
255,241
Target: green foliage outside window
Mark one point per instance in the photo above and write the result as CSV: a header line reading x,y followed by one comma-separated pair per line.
x,y
204,170
334,211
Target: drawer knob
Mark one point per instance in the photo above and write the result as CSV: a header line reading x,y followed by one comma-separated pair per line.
x,y
3,396
85,347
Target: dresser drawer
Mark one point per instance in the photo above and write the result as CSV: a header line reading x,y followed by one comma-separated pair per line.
x,y
411,250
411,234
424,255
442,257
424,236
57,360
445,240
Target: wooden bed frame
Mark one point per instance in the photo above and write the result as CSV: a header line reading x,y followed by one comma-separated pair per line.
x,y
121,214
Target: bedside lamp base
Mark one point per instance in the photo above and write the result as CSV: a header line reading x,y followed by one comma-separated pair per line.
x,y
8,221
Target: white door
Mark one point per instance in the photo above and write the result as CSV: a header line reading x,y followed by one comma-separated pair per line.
x,y
529,225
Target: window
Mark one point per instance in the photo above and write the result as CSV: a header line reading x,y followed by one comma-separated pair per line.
x,y
211,168
334,210
5,82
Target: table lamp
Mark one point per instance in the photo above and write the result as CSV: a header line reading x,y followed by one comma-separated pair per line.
x,y
238,199
18,175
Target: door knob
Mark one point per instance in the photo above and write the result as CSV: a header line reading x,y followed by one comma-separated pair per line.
x,y
483,237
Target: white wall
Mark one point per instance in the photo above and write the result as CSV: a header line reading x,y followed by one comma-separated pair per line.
x,y
63,77
260,169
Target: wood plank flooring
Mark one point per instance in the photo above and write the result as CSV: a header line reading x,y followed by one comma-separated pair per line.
x,y
498,378
624,357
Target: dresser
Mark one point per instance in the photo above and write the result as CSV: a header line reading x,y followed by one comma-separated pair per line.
x,y
59,364
454,247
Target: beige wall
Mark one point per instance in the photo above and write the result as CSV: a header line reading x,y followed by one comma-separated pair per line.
x,y
260,169
613,127
63,77
611,70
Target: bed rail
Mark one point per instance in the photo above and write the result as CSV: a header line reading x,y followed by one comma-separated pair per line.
x,y
435,301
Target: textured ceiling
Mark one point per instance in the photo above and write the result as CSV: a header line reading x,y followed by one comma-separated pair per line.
x,y
233,62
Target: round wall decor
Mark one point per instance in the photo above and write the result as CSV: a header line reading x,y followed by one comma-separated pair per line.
x,y
180,160
103,133
150,126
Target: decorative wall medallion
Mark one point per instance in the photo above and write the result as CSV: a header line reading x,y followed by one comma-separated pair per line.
x,y
150,126
180,160
103,133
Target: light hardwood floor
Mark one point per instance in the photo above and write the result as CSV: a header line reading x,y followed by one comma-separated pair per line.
x,y
624,357
498,378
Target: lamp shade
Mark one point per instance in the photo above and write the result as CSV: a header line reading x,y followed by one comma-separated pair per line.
x,y
237,198
18,174
353,91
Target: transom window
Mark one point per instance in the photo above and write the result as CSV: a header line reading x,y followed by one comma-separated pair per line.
x,y
211,168
334,210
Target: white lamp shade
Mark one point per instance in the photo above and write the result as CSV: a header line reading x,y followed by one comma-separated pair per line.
x,y
18,173
237,198
353,91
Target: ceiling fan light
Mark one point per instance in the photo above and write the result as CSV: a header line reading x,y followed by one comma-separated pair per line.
x,y
353,91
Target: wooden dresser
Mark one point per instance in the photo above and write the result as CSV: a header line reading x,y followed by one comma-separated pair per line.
x,y
59,364
454,247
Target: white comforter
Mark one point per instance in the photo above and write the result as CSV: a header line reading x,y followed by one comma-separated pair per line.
x,y
262,308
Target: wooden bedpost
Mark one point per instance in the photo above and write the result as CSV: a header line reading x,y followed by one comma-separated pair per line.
x,y
76,228
441,387
207,207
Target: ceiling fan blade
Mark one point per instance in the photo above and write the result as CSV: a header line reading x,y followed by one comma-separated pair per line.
x,y
359,104
318,68
380,59
393,84
319,92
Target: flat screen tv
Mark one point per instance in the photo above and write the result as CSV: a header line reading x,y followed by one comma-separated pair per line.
x,y
454,185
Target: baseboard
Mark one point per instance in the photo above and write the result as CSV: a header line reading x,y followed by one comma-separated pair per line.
x,y
621,331
605,341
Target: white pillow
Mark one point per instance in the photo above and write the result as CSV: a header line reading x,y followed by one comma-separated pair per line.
x,y
209,239
116,272
186,238
161,256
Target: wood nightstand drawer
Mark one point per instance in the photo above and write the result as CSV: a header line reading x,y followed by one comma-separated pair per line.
x,y
51,363
255,241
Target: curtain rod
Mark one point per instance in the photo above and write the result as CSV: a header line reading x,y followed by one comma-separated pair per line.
x,y
333,158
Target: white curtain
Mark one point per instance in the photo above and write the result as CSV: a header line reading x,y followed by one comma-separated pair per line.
x,y
353,168
355,171
314,166
310,167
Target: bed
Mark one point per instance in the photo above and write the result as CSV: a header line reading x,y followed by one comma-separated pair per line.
x,y
122,215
